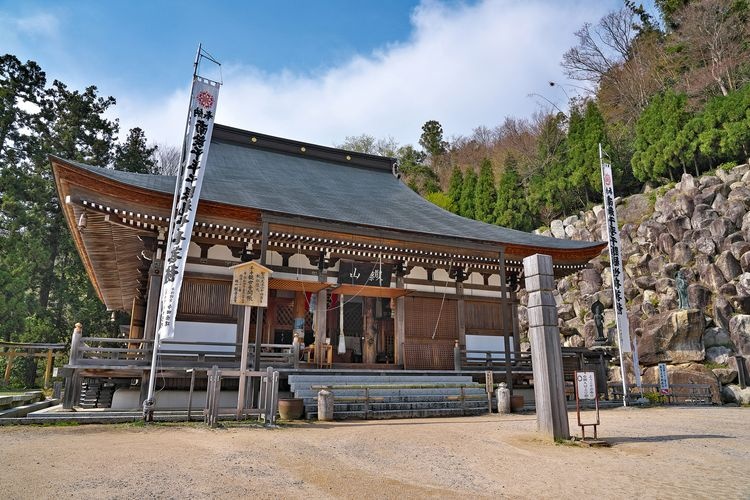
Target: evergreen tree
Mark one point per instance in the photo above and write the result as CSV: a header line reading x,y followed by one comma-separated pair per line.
x,y
511,208
485,194
455,187
432,138
134,155
585,132
660,123
466,202
44,287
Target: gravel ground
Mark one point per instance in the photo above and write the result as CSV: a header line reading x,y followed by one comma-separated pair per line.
x,y
655,453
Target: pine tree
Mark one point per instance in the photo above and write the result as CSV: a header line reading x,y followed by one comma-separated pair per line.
x,y
134,155
485,194
511,208
466,202
455,186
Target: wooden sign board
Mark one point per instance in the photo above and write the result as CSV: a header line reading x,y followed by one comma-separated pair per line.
x,y
249,285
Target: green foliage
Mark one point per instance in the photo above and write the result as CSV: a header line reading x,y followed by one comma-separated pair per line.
x,y
442,200
43,287
656,152
134,155
455,187
586,131
485,194
467,200
432,138
511,207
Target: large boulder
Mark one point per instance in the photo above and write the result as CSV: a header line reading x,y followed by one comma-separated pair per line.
x,y
719,355
715,337
681,253
557,228
728,265
735,394
712,277
591,281
739,331
702,217
725,375
673,336
677,227
722,312
691,373
698,296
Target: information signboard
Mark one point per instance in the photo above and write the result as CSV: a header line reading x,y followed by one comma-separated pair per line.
x,y
663,379
585,385
250,285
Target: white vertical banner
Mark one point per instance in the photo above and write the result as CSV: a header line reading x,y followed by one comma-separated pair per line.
x,y
615,259
203,98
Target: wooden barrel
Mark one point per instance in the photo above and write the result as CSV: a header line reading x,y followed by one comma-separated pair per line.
x,y
516,403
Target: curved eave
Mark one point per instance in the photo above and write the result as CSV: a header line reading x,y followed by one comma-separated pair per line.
x,y
68,175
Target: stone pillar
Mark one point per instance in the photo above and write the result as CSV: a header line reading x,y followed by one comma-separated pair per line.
x,y
546,353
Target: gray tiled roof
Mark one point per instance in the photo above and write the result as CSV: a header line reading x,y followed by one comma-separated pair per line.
x,y
272,181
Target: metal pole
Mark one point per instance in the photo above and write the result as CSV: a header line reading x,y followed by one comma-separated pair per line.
x,y
619,334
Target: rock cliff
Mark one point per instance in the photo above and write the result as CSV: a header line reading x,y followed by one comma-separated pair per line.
x,y
699,227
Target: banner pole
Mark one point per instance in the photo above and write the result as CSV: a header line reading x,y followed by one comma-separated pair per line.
x,y
615,267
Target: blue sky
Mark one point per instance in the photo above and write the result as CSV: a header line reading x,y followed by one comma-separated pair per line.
x,y
311,70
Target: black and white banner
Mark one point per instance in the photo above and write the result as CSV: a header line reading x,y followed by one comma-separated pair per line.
x,y
615,258
203,100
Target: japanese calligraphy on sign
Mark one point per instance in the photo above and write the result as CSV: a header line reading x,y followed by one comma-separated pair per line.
x,y
585,385
663,379
615,257
250,285
203,100
365,273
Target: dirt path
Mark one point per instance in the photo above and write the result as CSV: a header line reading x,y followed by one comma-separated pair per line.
x,y
657,453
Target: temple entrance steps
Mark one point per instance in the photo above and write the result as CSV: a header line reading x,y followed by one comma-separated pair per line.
x,y
392,396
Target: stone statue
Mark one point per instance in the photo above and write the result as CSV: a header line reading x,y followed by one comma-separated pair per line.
x,y
681,285
597,308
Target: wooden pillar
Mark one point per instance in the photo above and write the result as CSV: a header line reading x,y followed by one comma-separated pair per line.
x,y
370,330
460,307
399,326
72,381
48,369
152,299
546,353
507,321
259,312
320,327
300,308
9,364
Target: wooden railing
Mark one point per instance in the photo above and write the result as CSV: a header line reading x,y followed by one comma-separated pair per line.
x,y
122,352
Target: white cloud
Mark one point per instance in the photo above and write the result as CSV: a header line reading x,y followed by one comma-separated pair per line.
x,y
39,25
464,66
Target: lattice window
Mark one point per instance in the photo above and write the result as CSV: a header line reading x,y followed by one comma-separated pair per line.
x,y
428,355
205,300
423,314
285,315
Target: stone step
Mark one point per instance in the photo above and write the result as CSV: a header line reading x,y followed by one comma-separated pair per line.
x,y
419,405
423,413
394,392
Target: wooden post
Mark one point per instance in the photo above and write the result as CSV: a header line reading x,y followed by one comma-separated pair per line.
x,y
457,356
243,361
152,299
9,364
546,353
320,327
72,381
370,330
506,320
75,340
399,327
260,310
461,308
48,369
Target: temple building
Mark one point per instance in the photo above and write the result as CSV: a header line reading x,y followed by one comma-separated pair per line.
x,y
366,274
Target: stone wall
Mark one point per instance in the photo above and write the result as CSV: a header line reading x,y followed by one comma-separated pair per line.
x,y
700,226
